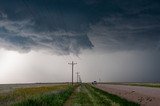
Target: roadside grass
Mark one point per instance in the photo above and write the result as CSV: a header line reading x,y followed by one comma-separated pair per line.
x,y
50,99
98,98
82,98
87,95
112,99
24,93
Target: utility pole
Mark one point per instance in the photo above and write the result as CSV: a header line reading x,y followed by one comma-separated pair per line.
x,y
77,76
72,69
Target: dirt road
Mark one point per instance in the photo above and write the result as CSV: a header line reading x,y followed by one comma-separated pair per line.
x,y
146,96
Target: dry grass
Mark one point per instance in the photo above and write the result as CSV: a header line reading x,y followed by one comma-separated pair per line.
x,y
24,93
47,99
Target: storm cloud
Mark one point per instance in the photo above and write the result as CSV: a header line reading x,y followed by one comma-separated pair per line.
x,y
70,26
115,40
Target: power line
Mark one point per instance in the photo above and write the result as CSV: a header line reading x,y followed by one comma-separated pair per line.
x,y
72,69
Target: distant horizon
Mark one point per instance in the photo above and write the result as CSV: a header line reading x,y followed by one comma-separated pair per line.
x,y
70,82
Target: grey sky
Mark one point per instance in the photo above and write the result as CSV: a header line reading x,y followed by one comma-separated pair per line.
x,y
110,39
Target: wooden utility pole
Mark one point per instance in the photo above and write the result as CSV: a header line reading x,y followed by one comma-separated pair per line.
x,y
72,69
77,76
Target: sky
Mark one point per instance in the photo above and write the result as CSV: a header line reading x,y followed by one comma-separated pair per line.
x,y
110,40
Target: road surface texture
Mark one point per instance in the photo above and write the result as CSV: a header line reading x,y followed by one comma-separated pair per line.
x,y
145,96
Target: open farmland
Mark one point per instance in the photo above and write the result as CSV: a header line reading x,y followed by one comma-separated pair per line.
x,y
63,94
10,87
145,84
20,94
156,85
59,95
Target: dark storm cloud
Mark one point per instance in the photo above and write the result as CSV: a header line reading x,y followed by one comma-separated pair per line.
x,y
135,27
51,25
67,26
118,34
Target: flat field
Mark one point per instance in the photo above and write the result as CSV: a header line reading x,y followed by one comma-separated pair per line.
x,y
10,87
146,84
21,94
59,95
89,95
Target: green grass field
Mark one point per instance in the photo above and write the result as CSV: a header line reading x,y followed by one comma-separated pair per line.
x,y
59,95
87,95
21,94
48,99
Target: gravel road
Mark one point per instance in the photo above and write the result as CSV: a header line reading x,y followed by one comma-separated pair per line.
x,y
146,96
